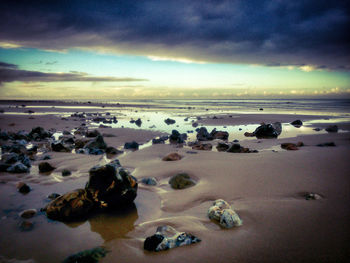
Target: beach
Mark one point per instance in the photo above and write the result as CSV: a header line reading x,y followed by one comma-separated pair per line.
x,y
268,188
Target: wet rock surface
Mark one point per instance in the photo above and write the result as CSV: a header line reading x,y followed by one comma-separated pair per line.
x,y
167,237
181,181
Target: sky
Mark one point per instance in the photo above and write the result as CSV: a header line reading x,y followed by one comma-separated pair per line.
x,y
174,49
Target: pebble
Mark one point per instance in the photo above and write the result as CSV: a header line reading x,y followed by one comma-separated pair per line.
x,y
29,213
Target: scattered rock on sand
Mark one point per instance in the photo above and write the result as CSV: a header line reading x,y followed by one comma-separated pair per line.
x,y
92,133
237,148
131,145
222,147
66,172
172,157
203,134
29,213
169,121
202,146
112,150
96,143
312,196
160,140
297,123
291,146
88,256
23,188
70,206
18,167
177,137
222,135
138,122
149,181
181,181
266,131
221,211
332,128
45,167
166,237
39,133
59,147
53,196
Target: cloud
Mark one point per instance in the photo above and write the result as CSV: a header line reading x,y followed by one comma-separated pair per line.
x,y
11,73
264,32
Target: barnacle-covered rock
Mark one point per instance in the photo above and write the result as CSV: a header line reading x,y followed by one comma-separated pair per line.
x,y
167,237
70,206
221,211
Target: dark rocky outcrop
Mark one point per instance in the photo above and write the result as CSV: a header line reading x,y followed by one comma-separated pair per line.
x,y
131,145
222,147
222,135
237,148
160,140
39,133
59,146
66,172
203,134
96,144
181,181
266,131
177,138
92,133
45,167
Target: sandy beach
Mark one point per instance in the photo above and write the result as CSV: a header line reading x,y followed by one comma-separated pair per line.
x,y
266,189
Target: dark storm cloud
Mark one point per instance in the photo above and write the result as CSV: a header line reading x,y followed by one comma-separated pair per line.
x,y
270,32
10,73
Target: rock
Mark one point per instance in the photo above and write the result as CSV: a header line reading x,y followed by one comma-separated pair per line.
x,y
4,166
169,121
111,186
138,122
159,140
59,147
222,135
39,133
112,150
70,206
229,219
131,145
26,226
203,134
176,137
18,168
267,131
221,211
222,147
23,188
10,158
65,132
53,196
149,181
326,144
29,213
45,167
312,196
195,124
167,237
80,143
181,181
172,157
261,109
289,146
297,123
92,134
66,172
96,143
87,256
317,129
14,148
332,128
237,148
203,147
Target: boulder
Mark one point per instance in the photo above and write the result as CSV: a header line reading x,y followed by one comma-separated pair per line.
x,y
332,128
222,135
237,148
66,172
59,147
181,181
92,133
112,150
39,133
138,122
222,147
203,134
267,131
161,139
169,121
45,167
131,145
111,186
177,137
70,206
297,123
166,237
172,157
96,143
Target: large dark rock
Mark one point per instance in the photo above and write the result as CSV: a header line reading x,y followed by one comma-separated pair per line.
x,y
177,137
222,135
59,147
111,186
267,131
93,133
70,206
131,145
18,168
222,147
203,134
237,148
332,128
161,139
138,122
96,143
169,121
45,167
297,123
39,133
87,256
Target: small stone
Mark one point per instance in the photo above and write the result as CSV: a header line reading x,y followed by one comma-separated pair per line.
x,y
45,167
26,226
229,219
149,181
66,172
312,196
93,133
181,181
172,157
23,188
29,213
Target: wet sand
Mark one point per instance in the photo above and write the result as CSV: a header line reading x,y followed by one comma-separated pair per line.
x,y
266,189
